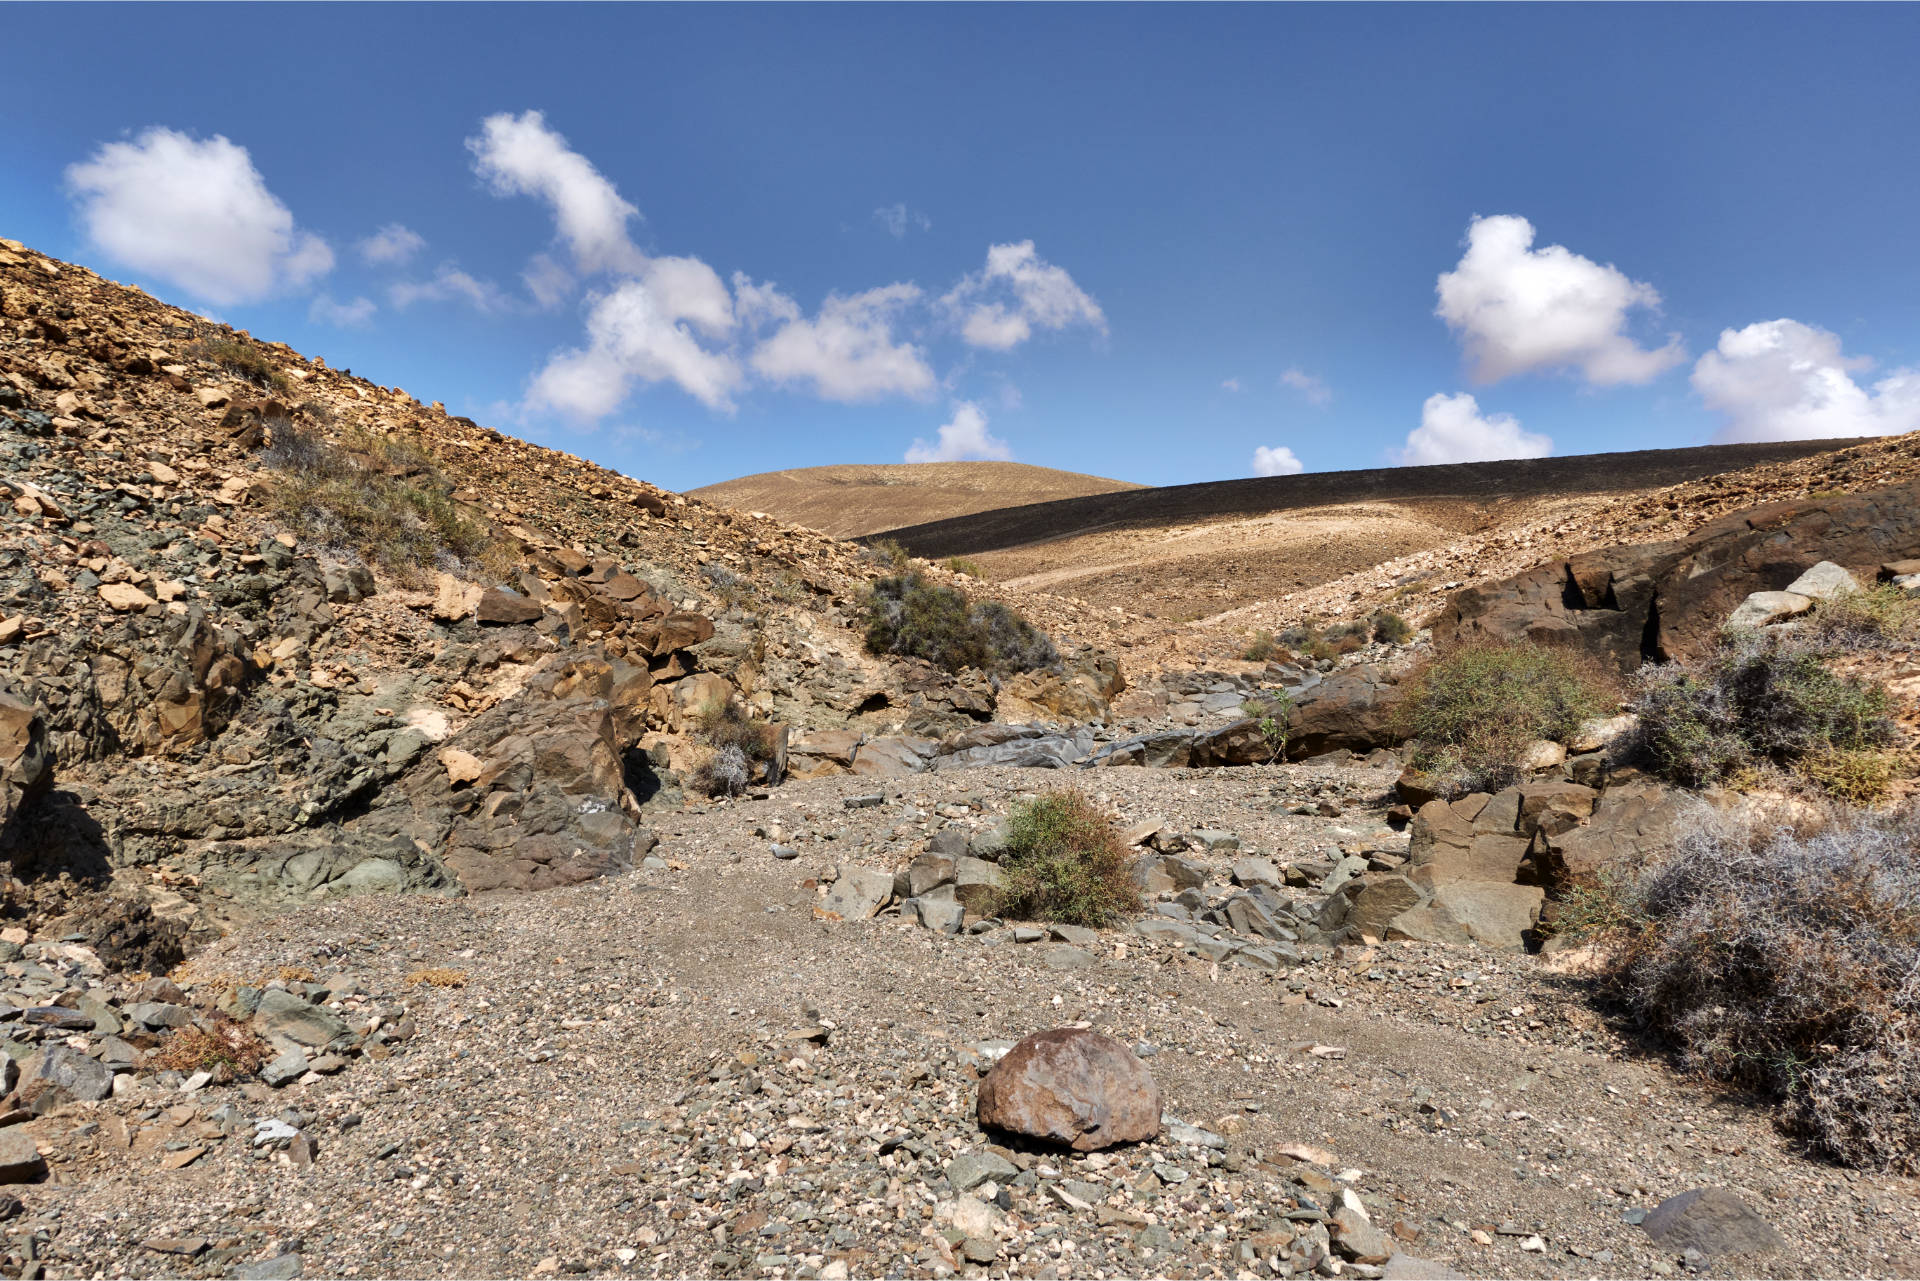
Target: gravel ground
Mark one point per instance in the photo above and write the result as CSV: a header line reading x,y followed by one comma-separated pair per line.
x,y
680,1071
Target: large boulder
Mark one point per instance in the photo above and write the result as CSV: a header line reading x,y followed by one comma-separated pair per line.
x,y
1714,1221
1357,709
1668,601
1071,1086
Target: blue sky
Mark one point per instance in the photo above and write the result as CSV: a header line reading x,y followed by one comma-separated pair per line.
x,y
1162,243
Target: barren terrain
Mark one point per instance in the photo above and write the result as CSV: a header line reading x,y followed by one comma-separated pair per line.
x,y
853,500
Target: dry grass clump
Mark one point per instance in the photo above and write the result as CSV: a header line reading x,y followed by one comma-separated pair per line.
x,y
1064,863
738,741
1882,617
1474,710
242,360
225,1045
1391,629
970,568
911,617
437,976
1790,964
1261,647
1760,699
379,496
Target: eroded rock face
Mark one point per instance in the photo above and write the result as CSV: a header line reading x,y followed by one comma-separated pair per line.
x,y
1668,601
1071,1086
1356,709
26,765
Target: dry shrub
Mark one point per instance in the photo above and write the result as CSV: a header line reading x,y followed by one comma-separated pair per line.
x,y
295,974
1758,699
379,496
1476,708
1790,964
738,740
1856,776
1882,617
242,360
1261,648
437,976
911,617
225,1044
970,568
1391,629
1064,862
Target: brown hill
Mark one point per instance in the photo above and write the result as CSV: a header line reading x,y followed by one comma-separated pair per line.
x,y
854,499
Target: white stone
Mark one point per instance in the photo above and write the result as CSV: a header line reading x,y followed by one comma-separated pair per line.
x,y
1824,581
1764,608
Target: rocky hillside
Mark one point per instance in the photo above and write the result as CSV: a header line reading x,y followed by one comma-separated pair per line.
x,y
851,500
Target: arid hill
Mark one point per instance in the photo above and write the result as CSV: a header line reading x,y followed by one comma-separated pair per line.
x,y
854,499
1191,551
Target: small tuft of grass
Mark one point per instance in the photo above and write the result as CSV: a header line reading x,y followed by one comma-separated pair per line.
x,y
1269,712
295,974
1064,863
437,976
1261,647
970,568
1882,617
890,552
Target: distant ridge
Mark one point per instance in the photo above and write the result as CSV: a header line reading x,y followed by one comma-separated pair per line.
x,y
1011,526
853,499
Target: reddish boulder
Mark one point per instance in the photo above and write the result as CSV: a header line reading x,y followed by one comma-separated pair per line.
x,y
1072,1086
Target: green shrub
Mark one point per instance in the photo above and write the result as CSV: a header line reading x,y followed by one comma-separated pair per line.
x,y
1261,648
908,616
961,565
1857,776
1786,964
890,552
242,360
1391,629
1476,708
1270,712
738,739
381,497
1064,862
1759,698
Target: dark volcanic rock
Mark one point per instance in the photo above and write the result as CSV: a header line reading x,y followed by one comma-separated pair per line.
x,y
1357,709
1072,1086
1713,1221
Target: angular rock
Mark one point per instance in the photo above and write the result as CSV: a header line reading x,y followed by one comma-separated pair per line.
x,y
454,599
26,762
60,1074
976,884
892,757
20,1159
927,871
281,1013
1763,609
969,1170
1824,581
1356,709
502,607
1071,1086
856,894
1714,1221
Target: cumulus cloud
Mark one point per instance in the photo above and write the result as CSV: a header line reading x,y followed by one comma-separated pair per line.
x,y
449,284
195,213
344,315
1517,309
847,351
1018,291
520,156
1453,430
898,218
1276,460
1314,389
547,280
634,334
392,243
963,438
1782,380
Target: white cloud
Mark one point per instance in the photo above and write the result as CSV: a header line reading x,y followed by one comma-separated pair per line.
x,y
345,315
898,218
547,280
449,284
965,437
1276,460
1782,380
1230,384
847,351
520,156
1041,296
1314,389
194,213
634,334
1518,309
392,243
1453,430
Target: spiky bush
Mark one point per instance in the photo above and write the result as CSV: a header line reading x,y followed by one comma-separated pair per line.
x,y
1759,699
911,617
738,740
1064,862
1790,964
1474,710
1880,617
